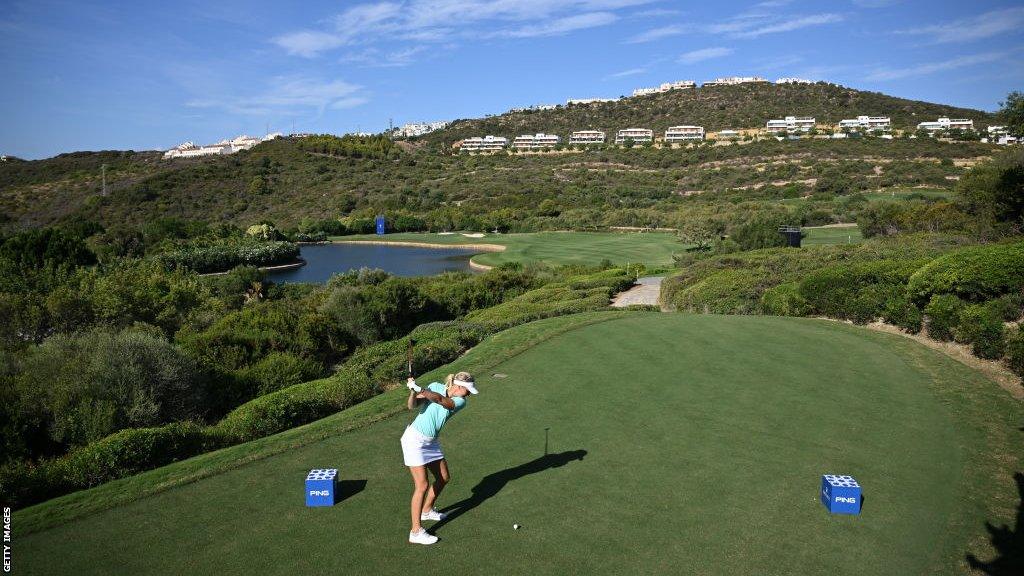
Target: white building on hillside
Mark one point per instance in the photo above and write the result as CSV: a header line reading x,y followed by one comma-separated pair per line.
x,y
684,133
413,129
236,144
882,123
791,124
731,80
535,141
485,144
580,101
534,108
999,135
587,137
637,135
947,124
665,87
794,81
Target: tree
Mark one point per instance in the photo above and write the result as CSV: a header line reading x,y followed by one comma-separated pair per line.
x,y
1011,113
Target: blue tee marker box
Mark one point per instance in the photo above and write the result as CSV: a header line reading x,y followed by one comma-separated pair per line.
x,y
840,494
321,487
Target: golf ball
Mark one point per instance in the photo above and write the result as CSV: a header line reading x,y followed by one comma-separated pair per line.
x,y
515,526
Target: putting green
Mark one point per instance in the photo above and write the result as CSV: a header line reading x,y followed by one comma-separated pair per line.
x,y
556,248
677,444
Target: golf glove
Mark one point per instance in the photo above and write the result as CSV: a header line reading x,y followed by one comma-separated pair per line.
x,y
411,385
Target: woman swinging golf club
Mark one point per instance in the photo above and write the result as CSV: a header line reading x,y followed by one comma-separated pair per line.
x,y
421,450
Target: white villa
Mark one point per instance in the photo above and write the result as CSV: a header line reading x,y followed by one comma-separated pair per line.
x,y
535,141
534,108
867,123
419,128
731,80
483,144
947,124
999,135
192,150
665,87
794,81
572,101
587,137
791,124
684,133
634,134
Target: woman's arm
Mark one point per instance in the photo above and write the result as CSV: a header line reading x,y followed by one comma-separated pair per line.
x,y
413,401
437,399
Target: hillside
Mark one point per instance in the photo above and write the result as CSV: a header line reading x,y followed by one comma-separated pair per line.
x,y
714,107
289,181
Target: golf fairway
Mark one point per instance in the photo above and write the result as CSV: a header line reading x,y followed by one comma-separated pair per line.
x,y
678,444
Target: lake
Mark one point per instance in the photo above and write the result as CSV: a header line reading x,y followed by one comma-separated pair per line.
x,y
325,260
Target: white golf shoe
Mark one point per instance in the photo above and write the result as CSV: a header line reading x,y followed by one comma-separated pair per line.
x,y
422,537
433,514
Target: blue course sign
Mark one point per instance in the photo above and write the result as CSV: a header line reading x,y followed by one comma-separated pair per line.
x,y
840,494
321,487
381,225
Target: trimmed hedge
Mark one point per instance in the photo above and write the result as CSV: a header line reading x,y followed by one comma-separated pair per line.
x,y
943,312
1015,351
784,300
973,274
116,456
981,325
858,292
724,292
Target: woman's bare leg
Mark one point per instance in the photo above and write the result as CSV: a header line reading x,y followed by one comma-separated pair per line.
x,y
439,468
419,480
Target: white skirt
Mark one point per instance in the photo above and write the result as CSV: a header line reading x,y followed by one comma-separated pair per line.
x,y
419,450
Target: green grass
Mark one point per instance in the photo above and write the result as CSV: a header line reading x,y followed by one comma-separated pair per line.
x,y
704,435
820,235
557,248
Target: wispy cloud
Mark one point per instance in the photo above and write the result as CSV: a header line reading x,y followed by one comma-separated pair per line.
x,y
625,73
560,25
447,20
703,54
977,27
885,74
789,25
657,34
288,95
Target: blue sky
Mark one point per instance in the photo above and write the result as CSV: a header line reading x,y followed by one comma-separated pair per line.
x,y
82,75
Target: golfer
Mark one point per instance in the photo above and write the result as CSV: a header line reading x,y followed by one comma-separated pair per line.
x,y
421,450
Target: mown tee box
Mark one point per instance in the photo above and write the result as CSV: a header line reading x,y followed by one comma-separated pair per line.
x,y
840,494
321,487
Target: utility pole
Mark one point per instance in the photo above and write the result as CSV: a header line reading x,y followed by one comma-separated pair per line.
x,y
391,128
103,167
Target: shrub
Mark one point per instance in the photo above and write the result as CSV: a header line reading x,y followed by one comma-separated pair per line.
x,y
99,382
223,256
116,456
784,300
981,325
900,311
974,274
280,370
943,312
1015,351
724,292
859,291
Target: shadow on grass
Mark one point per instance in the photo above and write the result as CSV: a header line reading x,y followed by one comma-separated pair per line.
x,y
348,489
493,483
1008,543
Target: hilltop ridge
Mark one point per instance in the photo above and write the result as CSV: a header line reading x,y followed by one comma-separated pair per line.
x,y
715,108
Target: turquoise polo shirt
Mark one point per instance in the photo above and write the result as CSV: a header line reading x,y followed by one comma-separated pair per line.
x,y
432,416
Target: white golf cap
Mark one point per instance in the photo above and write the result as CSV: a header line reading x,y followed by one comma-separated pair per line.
x,y
468,385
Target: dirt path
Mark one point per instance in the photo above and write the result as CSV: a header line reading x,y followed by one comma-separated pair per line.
x,y
646,291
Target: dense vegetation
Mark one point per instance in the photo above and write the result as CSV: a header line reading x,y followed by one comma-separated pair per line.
x,y
945,285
